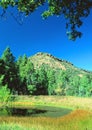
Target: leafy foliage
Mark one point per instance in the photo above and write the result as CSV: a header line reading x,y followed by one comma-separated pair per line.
x,y
25,68
4,92
72,10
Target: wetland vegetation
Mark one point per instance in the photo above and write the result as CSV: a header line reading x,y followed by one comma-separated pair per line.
x,y
47,112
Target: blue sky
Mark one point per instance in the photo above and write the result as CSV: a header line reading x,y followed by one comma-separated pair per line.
x,y
38,35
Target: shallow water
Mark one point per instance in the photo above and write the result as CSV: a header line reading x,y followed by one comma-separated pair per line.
x,y
45,111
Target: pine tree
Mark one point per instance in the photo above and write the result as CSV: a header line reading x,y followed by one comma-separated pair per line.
x,y
11,76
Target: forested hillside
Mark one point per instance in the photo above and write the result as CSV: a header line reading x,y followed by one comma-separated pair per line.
x,y
42,74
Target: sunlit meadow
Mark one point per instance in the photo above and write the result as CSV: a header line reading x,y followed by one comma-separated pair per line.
x,y
79,118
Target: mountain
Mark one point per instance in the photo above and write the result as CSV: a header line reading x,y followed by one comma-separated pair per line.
x,y
56,63
59,77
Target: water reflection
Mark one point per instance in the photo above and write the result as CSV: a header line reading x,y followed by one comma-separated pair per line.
x,y
25,112
39,111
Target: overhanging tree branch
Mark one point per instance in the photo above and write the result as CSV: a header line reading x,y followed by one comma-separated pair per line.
x,y
72,10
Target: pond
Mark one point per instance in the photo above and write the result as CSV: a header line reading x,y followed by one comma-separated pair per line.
x,y
37,111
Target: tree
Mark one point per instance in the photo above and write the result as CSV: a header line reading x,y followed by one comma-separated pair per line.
x,y
72,10
26,69
2,67
42,81
86,85
8,57
73,87
10,70
51,81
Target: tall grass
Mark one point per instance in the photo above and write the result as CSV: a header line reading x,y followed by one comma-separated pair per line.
x,y
11,126
58,101
78,119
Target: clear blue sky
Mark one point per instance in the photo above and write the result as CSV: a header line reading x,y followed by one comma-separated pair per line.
x,y
37,35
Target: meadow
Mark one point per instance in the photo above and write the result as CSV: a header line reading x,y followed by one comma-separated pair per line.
x,y
56,113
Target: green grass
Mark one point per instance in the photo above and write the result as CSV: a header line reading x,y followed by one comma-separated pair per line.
x,y
11,126
52,111
70,113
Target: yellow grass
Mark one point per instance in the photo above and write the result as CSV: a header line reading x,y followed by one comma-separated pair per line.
x,y
21,104
79,119
72,121
59,101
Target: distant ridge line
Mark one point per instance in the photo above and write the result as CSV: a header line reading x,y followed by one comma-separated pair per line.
x,y
48,54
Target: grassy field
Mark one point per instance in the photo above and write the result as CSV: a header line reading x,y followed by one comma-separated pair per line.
x,y
62,113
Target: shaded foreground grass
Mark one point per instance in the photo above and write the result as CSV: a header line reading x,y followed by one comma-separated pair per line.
x,y
79,119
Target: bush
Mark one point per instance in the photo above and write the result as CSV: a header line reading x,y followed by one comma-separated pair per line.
x,y
4,94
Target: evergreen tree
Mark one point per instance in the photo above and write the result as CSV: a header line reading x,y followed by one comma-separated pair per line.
x,y
11,77
2,67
